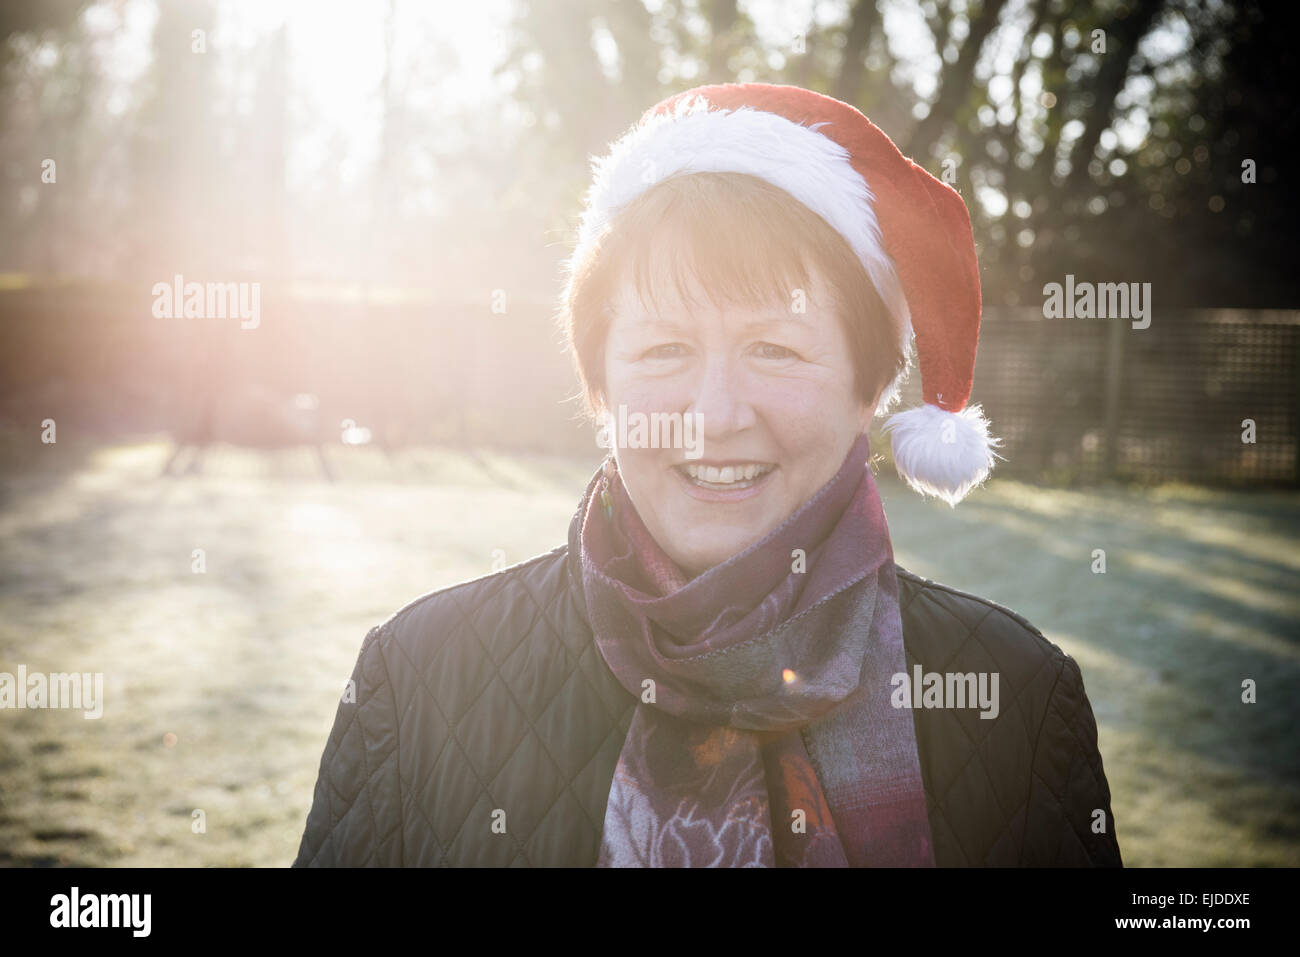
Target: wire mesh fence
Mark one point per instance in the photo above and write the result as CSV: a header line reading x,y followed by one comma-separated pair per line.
x,y
1200,395
1205,396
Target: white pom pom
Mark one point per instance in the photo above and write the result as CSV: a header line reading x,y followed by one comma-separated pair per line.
x,y
940,453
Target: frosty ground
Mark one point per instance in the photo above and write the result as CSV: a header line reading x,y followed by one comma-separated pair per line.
x,y
220,686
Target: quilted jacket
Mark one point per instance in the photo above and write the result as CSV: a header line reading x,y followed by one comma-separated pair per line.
x,y
483,728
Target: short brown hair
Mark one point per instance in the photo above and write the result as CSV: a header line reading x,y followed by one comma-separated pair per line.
x,y
747,242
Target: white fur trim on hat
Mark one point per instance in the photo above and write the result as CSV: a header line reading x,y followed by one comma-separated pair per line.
x,y
941,453
812,168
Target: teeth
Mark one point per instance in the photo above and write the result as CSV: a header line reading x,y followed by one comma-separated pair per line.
x,y
728,475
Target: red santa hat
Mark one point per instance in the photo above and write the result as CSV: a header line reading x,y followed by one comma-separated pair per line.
x,y
911,232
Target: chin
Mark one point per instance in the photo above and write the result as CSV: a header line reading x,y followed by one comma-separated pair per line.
x,y
712,550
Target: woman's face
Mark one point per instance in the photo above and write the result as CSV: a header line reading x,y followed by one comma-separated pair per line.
x,y
775,396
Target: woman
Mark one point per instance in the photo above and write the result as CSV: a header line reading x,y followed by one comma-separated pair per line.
x,y
723,666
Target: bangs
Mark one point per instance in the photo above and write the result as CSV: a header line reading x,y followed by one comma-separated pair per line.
x,y
708,233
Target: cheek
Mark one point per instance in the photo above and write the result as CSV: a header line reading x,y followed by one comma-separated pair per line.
x,y
643,475
639,392
805,409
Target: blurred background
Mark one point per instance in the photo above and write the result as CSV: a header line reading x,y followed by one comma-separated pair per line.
x,y
212,512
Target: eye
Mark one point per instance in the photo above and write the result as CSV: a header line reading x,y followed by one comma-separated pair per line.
x,y
770,350
668,350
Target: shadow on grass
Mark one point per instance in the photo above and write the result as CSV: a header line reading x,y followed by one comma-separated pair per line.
x,y
1197,596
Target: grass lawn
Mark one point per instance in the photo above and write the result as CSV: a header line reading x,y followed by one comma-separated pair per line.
x,y
220,687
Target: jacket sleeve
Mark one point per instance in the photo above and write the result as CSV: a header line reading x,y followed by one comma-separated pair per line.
x,y
1069,821
355,817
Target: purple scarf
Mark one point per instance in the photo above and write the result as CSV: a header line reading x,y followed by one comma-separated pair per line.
x,y
764,734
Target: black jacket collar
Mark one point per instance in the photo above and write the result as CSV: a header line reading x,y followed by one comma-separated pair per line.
x,y
574,558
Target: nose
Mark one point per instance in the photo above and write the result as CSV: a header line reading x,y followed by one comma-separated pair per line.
x,y
721,399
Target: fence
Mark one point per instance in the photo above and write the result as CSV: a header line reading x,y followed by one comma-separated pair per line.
x,y
1072,399
1094,398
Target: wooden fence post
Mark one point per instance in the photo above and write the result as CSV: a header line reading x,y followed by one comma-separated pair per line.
x,y
1295,421
1115,334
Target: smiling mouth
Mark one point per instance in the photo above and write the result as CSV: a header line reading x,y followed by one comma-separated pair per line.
x,y
726,478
